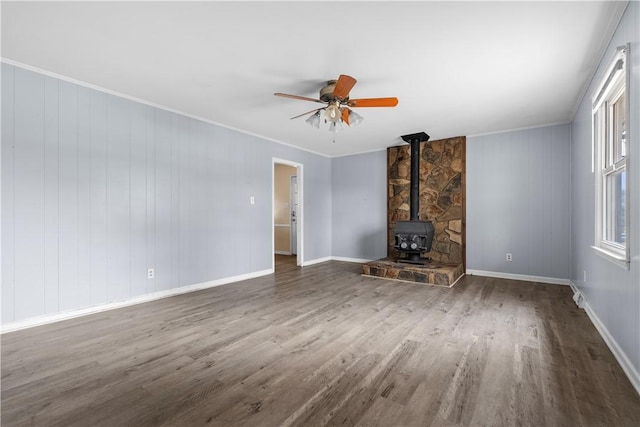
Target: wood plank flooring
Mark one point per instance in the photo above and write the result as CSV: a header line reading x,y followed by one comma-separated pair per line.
x,y
320,346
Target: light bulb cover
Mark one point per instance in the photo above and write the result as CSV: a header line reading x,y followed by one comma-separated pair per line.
x,y
354,118
314,120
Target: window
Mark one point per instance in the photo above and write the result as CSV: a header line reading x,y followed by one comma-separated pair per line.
x,y
610,138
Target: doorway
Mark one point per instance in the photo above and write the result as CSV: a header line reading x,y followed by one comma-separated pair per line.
x,y
287,203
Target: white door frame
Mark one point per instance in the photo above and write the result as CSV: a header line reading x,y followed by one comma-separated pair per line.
x,y
293,204
300,218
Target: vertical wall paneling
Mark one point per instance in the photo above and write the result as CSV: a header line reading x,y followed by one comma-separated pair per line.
x,y
51,195
243,178
69,185
537,197
118,198
516,182
245,207
163,190
172,203
150,196
198,236
99,188
238,216
253,210
138,200
174,224
211,154
193,213
490,239
560,210
359,206
84,196
221,197
29,194
518,196
98,224
491,234
473,231
210,173
264,212
8,192
317,199
183,224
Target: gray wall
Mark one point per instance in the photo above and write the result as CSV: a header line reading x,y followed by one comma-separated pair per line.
x,y
97,188
612,292
359,207
518,201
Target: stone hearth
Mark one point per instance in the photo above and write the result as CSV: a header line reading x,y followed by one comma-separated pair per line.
x,y
433,273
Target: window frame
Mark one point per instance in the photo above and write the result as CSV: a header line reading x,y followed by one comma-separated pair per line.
x,y
606,162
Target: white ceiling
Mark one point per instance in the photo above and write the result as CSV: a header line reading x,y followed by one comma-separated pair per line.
x,y
457,68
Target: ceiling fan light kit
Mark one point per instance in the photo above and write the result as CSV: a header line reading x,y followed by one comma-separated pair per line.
x,y
336,95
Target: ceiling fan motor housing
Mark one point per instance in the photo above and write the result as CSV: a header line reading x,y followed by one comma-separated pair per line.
x,y
326,93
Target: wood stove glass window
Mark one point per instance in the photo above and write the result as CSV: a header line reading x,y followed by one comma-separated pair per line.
x,y
610,130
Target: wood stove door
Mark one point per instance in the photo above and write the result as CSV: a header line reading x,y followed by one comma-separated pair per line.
x,y
293,204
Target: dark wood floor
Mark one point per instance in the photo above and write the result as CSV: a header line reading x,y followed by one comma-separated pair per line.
x,y
284,262
323,346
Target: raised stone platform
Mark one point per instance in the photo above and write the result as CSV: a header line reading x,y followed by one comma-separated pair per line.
x,y
433,273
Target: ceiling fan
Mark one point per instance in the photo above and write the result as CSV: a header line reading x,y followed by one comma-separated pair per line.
x,y
336,97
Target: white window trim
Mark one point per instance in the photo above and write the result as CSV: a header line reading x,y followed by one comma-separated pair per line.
x,y
617,254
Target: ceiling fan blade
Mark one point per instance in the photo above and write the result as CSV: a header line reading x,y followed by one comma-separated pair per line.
x,y
302,98
373,102
343,86
345,115
308,112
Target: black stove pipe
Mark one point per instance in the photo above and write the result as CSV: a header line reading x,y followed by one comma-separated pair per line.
x,y
414,196
414,236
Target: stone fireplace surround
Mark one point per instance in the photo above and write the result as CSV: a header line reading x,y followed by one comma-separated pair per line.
x,y
442,201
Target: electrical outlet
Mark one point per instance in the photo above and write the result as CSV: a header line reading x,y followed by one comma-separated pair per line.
x,y
252,200
150,273
584,275
509,257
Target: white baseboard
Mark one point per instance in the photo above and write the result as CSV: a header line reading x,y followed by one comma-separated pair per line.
x,y
57,317
574,288
347,259
523,277
316,261
282,252
618,353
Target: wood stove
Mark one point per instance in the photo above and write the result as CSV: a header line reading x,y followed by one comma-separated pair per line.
x,y
414,237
